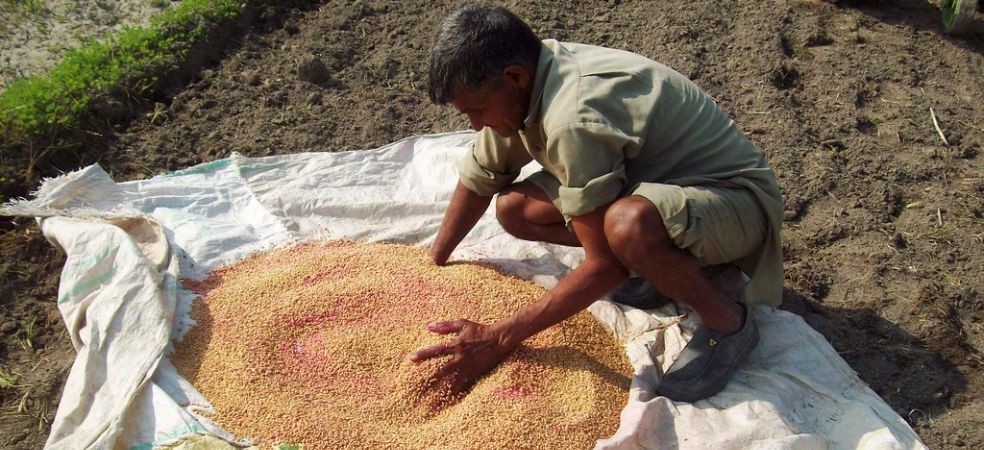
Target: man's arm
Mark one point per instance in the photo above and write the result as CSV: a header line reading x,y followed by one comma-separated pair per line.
x,y
598,274
463,213
478,347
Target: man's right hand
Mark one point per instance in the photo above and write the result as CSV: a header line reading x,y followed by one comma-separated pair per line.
x,y
439,255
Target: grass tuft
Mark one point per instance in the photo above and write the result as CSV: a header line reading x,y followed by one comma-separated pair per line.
x,y
7,379
27,342
40,110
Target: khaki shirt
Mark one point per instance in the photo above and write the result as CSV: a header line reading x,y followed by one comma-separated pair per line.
x,y
601,121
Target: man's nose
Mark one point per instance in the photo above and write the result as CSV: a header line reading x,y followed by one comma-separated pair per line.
x,y
476,124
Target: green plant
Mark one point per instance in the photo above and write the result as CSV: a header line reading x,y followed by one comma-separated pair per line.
x,y
288,446
939,234
31,7
38,111
27,342
7,379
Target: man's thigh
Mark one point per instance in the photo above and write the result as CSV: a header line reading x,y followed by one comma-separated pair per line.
x,y
717,225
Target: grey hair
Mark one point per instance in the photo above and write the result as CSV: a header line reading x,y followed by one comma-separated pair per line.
x,y
475,43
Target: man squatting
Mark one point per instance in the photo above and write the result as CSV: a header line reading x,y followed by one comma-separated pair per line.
x,y
641,168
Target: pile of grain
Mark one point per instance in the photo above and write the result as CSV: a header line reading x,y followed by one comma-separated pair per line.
x,y
309,344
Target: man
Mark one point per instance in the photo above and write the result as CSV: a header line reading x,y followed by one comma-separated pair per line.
x,y
641,168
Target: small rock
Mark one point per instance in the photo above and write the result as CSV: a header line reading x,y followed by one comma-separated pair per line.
x,y
313,70
7,327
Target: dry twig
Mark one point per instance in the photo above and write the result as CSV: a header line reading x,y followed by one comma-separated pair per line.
x,y
936,124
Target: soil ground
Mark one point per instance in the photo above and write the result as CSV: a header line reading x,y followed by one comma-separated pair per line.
x,y
884,232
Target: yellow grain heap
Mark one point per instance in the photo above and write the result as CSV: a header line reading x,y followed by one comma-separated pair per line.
x,y
309,345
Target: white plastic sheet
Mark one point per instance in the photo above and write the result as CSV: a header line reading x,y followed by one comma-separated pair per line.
x,y
128,243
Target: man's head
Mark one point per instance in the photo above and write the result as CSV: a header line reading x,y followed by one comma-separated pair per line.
x,y
483,61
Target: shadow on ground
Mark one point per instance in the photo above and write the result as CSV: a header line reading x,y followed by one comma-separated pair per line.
x,y
921,15
913,379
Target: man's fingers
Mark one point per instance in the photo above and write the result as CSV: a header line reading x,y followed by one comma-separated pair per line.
x,y
449,368
456,381
460,384
431,352
452,326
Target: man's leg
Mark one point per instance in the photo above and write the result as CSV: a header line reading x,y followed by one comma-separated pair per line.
x,y
638,237
526,212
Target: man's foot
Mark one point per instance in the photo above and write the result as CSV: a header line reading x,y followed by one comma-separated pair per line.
x,y
708,361
638,293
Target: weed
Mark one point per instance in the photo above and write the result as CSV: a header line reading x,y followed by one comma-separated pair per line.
x,y
874,119
950,279
30,407
940,234
27,342
158,116
288,446
42,414
29,7
7,379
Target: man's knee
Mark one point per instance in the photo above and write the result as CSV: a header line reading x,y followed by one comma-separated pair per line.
x,y
509,207
634,228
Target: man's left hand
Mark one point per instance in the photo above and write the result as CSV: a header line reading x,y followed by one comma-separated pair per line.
x,y
477,349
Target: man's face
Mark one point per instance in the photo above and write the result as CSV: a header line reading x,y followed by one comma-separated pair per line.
x,y
500,104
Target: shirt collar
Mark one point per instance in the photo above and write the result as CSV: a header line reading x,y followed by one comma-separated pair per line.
x,y
539,81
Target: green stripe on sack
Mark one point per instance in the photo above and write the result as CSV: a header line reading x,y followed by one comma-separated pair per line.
x,y
86,263
258,167
171,435
88,285
213,166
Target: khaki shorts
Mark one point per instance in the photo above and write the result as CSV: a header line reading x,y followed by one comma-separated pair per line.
x,y
717,225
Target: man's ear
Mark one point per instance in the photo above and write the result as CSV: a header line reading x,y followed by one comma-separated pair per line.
x,y
517,76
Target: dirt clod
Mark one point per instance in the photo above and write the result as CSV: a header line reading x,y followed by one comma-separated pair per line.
x,y
313,70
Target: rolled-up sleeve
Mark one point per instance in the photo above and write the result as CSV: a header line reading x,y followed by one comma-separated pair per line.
x,y
589,161
492,163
